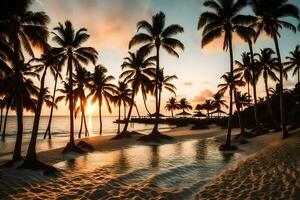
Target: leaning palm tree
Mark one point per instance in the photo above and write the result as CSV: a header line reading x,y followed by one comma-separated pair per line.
x,y
81,79
224,20
101,90
137,71
270,14
70,49
56,73
157,36
245,66
267,66
172,105
219,103
23,28
293,62
123,96
233,82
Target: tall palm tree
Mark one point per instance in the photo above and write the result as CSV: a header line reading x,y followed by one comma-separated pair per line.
x,y
55,70
223,20
101,89
172,105
71,51
267,67
137,71
81,79
157,36
23,28
233,82
219,103
163,83
293,62
245,66
270,14
184,104
123,95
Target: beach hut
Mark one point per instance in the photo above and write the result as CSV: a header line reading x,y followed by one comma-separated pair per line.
x,y
199,114
184,114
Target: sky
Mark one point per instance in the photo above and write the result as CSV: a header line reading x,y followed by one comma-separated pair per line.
x,y
112,23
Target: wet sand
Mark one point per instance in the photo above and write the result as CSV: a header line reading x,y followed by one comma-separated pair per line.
x,y
272,173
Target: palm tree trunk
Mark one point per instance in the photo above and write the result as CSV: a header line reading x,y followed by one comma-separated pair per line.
x,y
254,86
248,83
31,156
144,99
71,101
86,132
155,129
237,104
228,138
119,117
81,123
298,71
269,106
1,118
130,110
172,112
137,110
19,101
48,130
5,121
100,115
285,133
124,111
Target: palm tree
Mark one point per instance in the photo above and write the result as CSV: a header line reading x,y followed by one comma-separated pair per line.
x,y
55,70
137,71
293,62
69,49
208,105
267,65
233,82
269,14
163,83
172,105
101,89
243,99
81,79
24,29
184,104
224,19
123,95
157,36
245,67
218,103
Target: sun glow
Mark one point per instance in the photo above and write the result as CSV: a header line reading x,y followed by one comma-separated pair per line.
x,y
90,108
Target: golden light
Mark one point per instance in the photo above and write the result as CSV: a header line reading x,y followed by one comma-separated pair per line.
x,y
90,108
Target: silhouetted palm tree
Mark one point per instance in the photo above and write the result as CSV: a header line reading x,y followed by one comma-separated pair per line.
x,y
172,105
269,14
243,99
81,79
208,105
184,104
70,50
101,89
219,103
267,65
224,19
236,81
23,28
137,71
157,36
245,66
123,95
293,62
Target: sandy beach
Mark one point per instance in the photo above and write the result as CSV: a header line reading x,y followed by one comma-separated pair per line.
x,y
266,168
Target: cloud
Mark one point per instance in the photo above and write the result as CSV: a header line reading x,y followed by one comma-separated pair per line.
x,y
203,96
111,24
187,83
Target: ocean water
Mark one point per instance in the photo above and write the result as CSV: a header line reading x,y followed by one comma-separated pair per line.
x,y
60,131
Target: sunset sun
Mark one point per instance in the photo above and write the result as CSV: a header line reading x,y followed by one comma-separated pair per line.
x,y
90,109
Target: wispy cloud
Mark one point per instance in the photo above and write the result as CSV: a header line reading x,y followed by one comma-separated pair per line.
x,y
205,94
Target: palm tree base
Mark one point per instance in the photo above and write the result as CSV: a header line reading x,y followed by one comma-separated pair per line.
x,y
38,166
225,147
85,146
285,133
155,136
73,148
10,163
